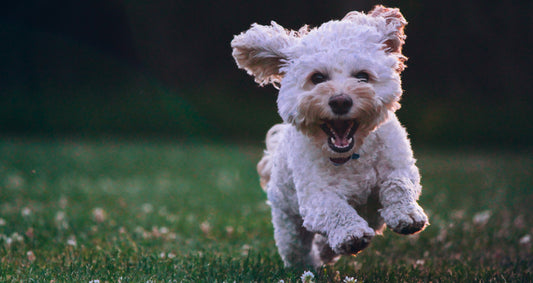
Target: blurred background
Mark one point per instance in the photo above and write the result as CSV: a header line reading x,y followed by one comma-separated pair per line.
x,y
163,69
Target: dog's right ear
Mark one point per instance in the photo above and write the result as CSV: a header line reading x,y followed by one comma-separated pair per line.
x,y
261,51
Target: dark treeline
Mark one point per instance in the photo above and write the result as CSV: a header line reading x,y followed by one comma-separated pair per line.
x,y
468,75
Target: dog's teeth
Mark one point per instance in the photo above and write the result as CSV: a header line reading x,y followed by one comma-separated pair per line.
x,y
350,140
332,139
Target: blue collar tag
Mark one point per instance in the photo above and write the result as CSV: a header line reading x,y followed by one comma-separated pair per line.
x,y
341,161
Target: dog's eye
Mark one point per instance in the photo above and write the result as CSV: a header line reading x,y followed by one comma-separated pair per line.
x,y
362,76
317,78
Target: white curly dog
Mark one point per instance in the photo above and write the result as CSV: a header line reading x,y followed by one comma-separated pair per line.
x,y
340,167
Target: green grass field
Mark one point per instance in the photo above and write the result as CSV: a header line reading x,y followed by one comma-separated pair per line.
x,y
122,211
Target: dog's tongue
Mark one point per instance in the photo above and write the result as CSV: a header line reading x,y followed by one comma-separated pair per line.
x,y
340,130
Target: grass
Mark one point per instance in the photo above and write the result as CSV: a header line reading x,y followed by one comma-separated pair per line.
x,y
160,211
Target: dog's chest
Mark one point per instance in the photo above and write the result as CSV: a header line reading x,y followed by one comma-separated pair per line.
x,y
354,181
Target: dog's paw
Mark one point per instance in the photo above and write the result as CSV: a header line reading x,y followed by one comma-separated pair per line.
x,y
405,218
351,242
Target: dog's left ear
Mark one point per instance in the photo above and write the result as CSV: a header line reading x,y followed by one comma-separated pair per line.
x,y
261,51
395,23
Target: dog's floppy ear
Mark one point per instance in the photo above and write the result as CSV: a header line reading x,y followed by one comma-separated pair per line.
x,y
261,51
395,23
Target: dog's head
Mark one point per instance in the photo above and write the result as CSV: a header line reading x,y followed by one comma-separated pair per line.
x,y
338,82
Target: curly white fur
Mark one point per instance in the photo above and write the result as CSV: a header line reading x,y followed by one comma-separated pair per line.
x,y
324,203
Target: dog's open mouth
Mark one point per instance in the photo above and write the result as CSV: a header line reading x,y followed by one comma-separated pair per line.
x,y
340,134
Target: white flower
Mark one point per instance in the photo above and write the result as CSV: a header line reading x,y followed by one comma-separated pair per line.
x,y
482,218
60,216
99,214
147,208
26,211
163,230
2,222
61,220
245,249
308,277
17,237
31,256
72,241
94,281
526,240
349,280
205,227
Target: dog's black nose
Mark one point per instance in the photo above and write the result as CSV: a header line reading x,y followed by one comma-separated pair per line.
x,y
340,104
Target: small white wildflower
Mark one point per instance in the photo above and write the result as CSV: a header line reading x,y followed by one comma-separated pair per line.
x,y
205,227
420,262
172,236
60,216
99,214
61,220
482,218
281,281
147,208
245,249
163,230
2,222
17,237
162,255
526,240
171,255
229,230
72,241
349,280
26,211
31,256
308,277
357,266
94,281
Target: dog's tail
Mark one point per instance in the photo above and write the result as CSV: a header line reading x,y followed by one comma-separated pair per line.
x,y
264,167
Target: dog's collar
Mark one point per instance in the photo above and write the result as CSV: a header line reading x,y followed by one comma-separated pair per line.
x,y
339,162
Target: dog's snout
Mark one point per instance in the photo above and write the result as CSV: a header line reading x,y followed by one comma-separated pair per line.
x,y
340,104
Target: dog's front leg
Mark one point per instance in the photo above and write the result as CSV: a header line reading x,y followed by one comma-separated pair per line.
x,y
401,211
328,214
399,181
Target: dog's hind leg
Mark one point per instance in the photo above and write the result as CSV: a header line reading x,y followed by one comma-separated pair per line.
x,y
294,242
264,167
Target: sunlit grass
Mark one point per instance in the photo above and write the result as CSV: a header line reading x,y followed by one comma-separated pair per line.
x,y
137,211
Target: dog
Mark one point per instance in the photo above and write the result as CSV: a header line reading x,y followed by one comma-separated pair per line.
x,y
340,167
